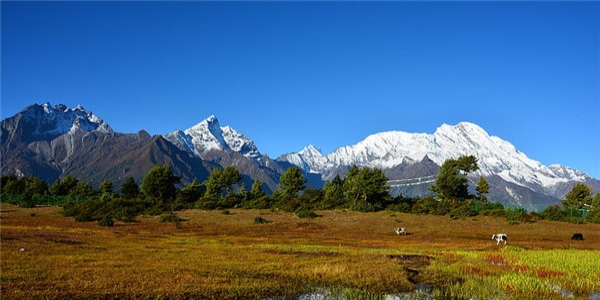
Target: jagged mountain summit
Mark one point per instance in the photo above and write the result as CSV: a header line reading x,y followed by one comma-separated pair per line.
x,y
52,142
396,149
389,149
44,121
209,135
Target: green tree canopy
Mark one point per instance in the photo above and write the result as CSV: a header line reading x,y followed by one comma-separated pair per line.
x,y
256,191
451,181
366,188
482,189
63,187
106,187
191,193
333,193
230,177
83,189
129,189
159,184
214,185
292,181
578,196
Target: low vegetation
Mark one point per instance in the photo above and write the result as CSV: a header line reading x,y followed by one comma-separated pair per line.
x,y
217,240
213,255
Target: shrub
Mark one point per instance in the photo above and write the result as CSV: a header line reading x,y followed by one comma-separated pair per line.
x,y
27,201
306,214
106,221
497,212
170,218
553,213
260,220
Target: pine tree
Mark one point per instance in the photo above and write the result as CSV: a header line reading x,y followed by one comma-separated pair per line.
x,y
579,196
106,187
159,184
292,181
129,189
482,189
452,182
256,191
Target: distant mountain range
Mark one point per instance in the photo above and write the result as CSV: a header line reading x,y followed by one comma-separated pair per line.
x,y
52,142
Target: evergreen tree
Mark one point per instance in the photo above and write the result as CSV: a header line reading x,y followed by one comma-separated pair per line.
x,y
366,188
191,193
6,180
579,196
13,185
159,184
482,189
451,181
214,185
129,189
36,186
292,181
230,177
82,189
106,187
334,193
68,184
63,187
256,191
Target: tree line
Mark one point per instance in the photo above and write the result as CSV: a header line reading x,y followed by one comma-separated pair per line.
x,y
362,189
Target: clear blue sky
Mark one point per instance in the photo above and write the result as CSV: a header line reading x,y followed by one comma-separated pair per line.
x,y
289,74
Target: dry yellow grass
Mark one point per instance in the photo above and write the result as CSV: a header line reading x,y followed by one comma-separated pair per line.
x,y
226,256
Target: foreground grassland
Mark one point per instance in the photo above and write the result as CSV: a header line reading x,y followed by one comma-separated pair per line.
x,y
217,255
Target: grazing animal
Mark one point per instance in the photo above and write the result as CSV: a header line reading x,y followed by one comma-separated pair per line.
x,y
577,237
400,231
500,237
22,249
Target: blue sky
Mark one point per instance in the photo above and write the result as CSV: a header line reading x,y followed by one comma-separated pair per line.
x,y
289,74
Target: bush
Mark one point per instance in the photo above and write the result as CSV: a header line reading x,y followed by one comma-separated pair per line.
x,y
95,210
260,220
593,215
306,214
106,221
553,213
170,218
27,201
497,212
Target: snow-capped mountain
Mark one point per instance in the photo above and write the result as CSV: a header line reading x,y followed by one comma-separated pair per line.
x,y
209,135
387,150
45,121
51,142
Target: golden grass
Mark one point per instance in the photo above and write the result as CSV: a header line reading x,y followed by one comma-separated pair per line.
x,y
226,256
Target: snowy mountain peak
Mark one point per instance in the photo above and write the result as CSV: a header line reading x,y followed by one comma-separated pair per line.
x,y
386,150
210,135
311,150
48,121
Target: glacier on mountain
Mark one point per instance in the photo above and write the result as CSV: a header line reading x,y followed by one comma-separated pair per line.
x,y
388,149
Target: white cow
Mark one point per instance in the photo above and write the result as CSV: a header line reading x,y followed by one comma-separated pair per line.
x,y
400,231
500,237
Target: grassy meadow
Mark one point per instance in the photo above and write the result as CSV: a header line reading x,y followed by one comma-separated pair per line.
x,y
226,255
